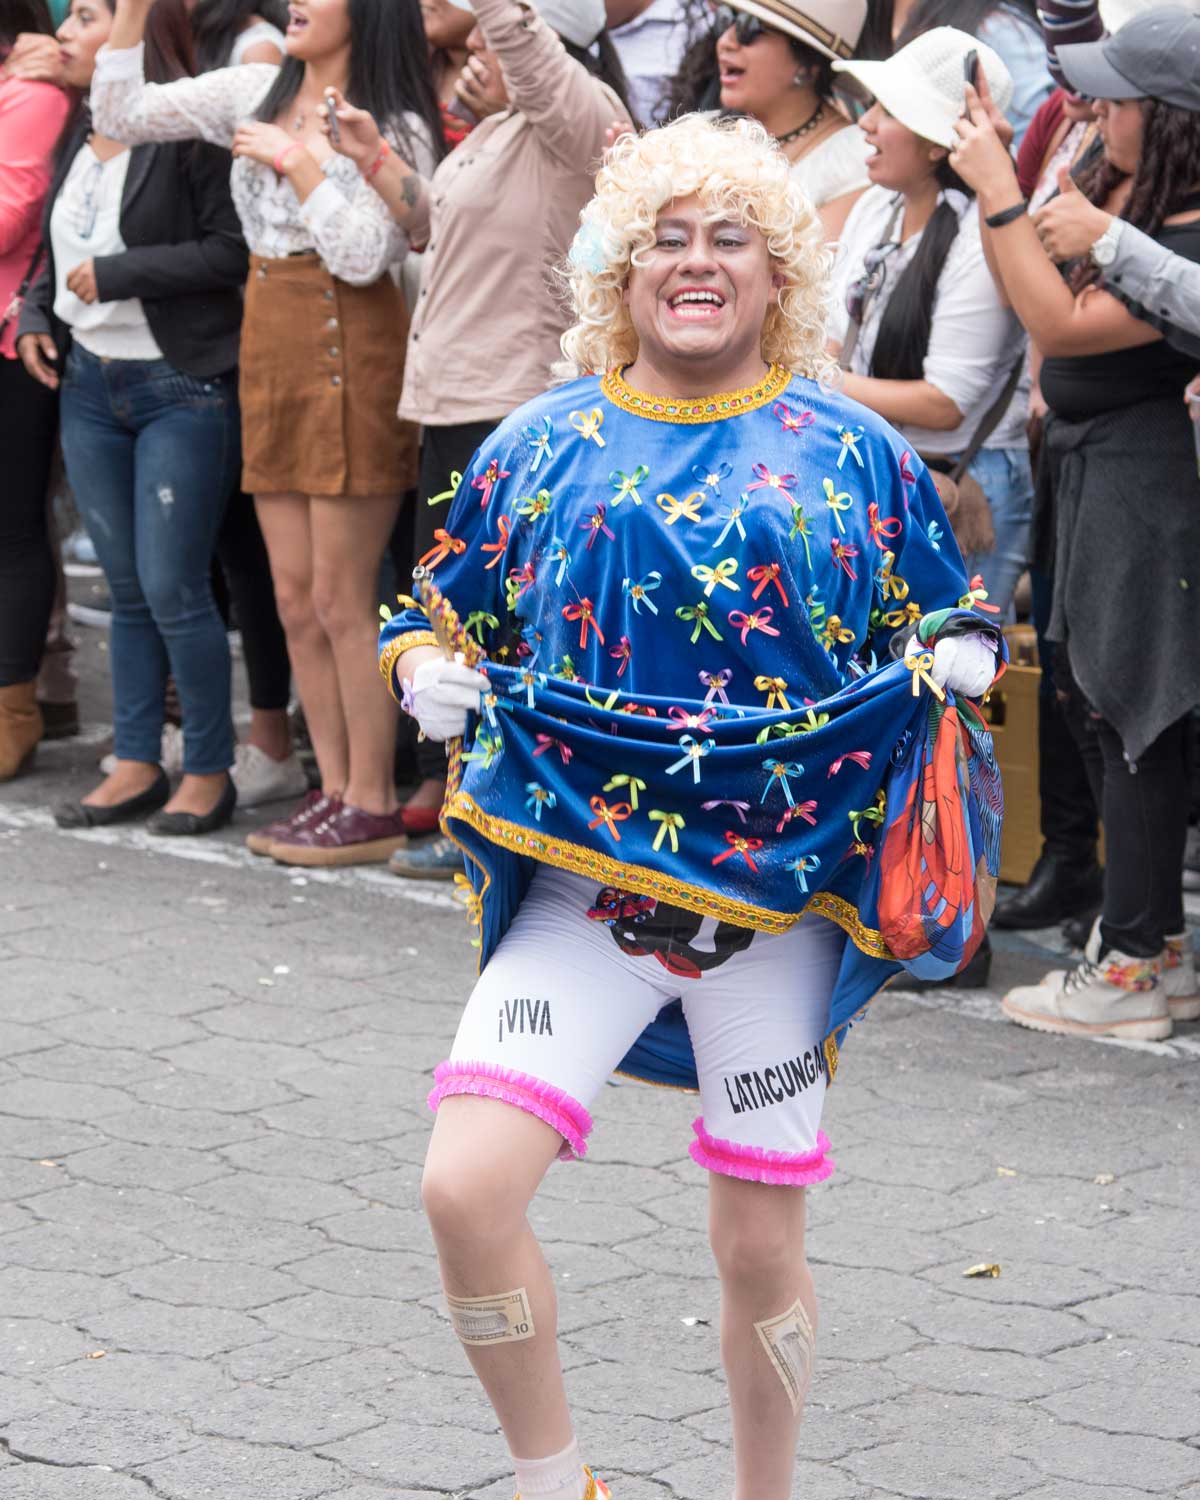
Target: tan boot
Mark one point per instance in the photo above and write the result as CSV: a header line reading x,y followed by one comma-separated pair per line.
x,y
20,728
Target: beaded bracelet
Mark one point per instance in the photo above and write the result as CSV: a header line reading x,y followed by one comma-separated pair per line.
x,y
384,153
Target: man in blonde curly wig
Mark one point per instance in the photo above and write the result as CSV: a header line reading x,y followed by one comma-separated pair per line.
x,y
683,783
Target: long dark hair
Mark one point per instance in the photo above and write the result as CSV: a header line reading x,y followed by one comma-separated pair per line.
x,y
875,44
903,338
965,15
605,65
389,73
217,23
1166,175
17,16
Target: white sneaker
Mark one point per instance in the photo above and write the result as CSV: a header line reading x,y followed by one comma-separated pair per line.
x,y
1118,996
260,778
1179,981
170,754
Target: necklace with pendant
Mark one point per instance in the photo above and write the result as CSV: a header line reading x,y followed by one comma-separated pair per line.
x,y
802,130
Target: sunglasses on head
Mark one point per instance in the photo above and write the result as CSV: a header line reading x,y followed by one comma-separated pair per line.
x,y
746,28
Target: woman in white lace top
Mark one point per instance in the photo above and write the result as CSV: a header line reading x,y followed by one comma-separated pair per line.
x,y
322,362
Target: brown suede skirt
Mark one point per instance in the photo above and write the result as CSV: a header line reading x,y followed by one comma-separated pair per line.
x,y
322,363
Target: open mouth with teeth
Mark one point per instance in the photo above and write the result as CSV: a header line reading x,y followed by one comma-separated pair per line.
x,y
696,305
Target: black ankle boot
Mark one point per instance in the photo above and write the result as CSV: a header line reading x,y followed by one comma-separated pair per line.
x,y
1058,890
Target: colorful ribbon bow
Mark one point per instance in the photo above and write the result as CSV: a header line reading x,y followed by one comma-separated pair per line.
x,y
859,757
609,816
639,592
723,573
906,474
687,509
842,552
694,751
686,720
975,595
779,731
539,442
626,485
595,524
526,681
739,844
476,620
741,808
934,532
792,421
765,480
632,784
621,652
837,501
559,552
711,478
444,544
884,529
669,825
588,425
716,683
891,585
812,721
539,797
802,867
815,606
850,437
522,578
920,664
733,517
492,745
546,741
759,620
604,704
909,614
534,507
583,612
800,529
698,613
488,480
834,634
497,547
874,815
775,688
765,574
803,810
444,495
780,771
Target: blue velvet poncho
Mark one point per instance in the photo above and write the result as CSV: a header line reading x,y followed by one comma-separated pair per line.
x,y
686,610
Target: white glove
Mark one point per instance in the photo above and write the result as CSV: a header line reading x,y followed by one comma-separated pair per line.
x,y
440,695
966,664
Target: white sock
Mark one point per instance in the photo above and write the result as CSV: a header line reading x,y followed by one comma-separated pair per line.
x,y
559,1477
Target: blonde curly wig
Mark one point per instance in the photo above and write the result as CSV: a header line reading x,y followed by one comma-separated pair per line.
x,y
739,174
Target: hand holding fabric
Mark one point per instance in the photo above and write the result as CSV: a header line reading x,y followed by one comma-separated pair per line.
x,y
441,693
966,664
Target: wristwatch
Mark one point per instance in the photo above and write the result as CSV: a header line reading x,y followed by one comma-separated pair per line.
x,y
1104,251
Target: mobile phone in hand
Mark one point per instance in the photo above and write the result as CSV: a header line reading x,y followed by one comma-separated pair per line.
x,y
335,126
971,68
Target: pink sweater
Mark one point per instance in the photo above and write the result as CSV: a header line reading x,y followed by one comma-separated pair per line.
x,y
31,116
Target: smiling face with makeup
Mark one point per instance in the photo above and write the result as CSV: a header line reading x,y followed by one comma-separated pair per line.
x,y
697,299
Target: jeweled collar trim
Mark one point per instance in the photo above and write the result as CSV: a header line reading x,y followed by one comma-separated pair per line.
x,y
707,409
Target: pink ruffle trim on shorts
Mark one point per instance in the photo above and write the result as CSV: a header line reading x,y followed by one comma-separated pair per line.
x,y
755,1164
490,1081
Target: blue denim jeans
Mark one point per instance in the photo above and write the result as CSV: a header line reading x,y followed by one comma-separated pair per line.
x,y
1007,481
152,455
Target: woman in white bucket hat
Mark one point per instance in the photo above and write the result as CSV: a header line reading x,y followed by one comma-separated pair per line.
x,y
919,325
775,63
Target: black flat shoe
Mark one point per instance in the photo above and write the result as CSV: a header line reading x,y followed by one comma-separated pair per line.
x,y
188,825
88,815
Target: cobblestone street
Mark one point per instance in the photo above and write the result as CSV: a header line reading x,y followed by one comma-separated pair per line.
x,y
215,1279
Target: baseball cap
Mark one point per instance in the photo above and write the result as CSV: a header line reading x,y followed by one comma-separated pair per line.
x,y
922,84
1156,55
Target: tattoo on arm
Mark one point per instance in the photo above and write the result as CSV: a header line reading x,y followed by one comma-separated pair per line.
x,y
410,191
